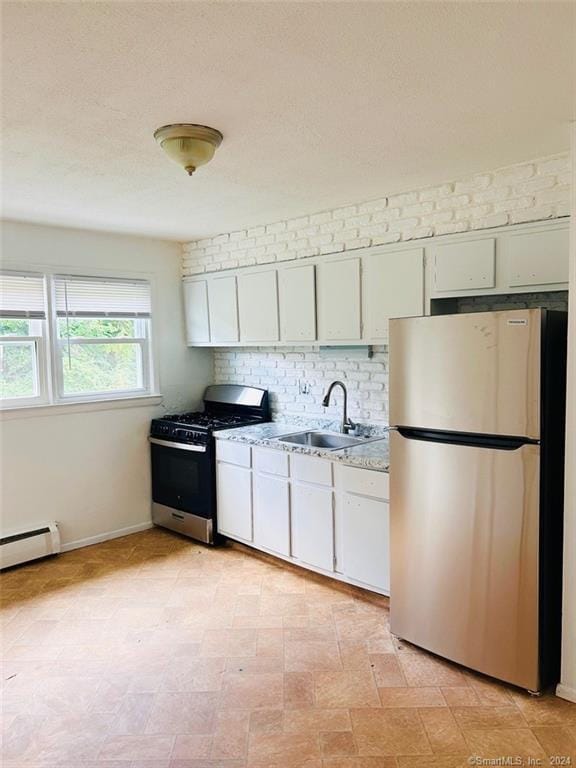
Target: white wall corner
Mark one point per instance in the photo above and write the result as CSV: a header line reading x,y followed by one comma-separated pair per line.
x,y
567,687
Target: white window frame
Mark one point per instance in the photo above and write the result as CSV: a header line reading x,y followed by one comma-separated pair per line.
x,y
40,359
51,351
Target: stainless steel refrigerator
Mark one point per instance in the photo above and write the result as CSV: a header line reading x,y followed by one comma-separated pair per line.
x,y
477,404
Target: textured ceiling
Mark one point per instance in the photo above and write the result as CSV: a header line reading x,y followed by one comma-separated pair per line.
x,y
320,104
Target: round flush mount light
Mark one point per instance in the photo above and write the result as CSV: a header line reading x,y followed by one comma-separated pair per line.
x,y
188,144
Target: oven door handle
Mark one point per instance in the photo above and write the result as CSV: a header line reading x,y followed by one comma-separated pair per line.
x,y
180,446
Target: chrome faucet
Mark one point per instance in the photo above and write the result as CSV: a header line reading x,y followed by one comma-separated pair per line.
x,y
347,424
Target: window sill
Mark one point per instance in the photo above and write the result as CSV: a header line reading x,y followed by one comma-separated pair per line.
x,y
55,409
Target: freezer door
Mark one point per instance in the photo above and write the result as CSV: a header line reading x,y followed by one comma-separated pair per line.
x,y
470,373
464,554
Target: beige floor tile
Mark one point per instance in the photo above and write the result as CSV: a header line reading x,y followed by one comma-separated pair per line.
x,y
387,670
252,691
462,696
337,744
283,750
547,710
136,748
474,718
267,720
360,762
298,690
438,761
310,656
313,720
192,747
182,713
389,732
519,742
186,675
270,666
557,741
443,733
346,689
423,671
411,697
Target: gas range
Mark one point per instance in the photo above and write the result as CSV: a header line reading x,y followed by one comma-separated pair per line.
x,y
197,427
183,457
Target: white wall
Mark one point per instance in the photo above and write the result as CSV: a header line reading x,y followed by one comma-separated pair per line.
x,y
89,470
567,687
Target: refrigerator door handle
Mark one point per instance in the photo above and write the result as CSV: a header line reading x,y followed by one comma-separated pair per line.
x,y
492,442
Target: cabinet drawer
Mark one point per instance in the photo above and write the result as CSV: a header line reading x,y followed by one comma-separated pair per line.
x,y
233,453
273,462
309,469
366,482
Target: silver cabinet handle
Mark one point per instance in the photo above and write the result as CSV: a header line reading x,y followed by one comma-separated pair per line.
x,y
181,446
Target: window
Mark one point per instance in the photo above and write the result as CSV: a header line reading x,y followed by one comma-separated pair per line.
x,y
22,339
98,331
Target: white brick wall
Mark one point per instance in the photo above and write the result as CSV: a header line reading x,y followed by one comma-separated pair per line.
x,y
281,370
527,192
530,191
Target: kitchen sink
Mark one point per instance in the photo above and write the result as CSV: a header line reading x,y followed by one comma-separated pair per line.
x,y
332,441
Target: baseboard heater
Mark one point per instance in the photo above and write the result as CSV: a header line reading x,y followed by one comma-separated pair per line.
x,y
27,544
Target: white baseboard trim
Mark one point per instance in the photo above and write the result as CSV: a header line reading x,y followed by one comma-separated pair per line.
x,y
565,692
100,537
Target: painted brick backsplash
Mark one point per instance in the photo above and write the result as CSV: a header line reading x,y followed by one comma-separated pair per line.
x,y
530,191
283,370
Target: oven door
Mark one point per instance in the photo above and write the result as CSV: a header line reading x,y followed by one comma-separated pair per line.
x,y
183,477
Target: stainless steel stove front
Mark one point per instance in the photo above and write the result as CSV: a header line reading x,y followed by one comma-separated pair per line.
x,y
199,528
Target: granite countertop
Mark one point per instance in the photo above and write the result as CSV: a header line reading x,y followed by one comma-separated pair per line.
x,y
371,454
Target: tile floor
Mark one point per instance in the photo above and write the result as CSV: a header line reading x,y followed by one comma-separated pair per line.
x,y
154,652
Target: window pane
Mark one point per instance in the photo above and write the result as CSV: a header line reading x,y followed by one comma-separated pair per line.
x,y
96,328
18,370
14,327
92,368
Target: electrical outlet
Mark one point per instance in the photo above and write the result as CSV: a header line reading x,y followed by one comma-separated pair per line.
x,y
303,387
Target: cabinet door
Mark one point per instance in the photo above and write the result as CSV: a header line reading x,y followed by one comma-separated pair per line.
x,y
272,513
392,286
313,525
223,309
297,297
339,300
234,493
464,266
196,309
366,540
258,306
537,258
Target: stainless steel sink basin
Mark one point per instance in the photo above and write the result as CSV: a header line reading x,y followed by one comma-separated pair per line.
x,y
332,441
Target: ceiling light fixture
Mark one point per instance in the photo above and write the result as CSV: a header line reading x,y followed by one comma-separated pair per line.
x,y
188,145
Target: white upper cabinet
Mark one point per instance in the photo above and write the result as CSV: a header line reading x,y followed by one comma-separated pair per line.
x,y
462,266
223,309
196,308
258,306
339,300
538,258
297,295
392,286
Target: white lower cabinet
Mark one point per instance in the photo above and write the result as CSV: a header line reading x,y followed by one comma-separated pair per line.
x,y
365,540
312,511
234,491
271,508
313,525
